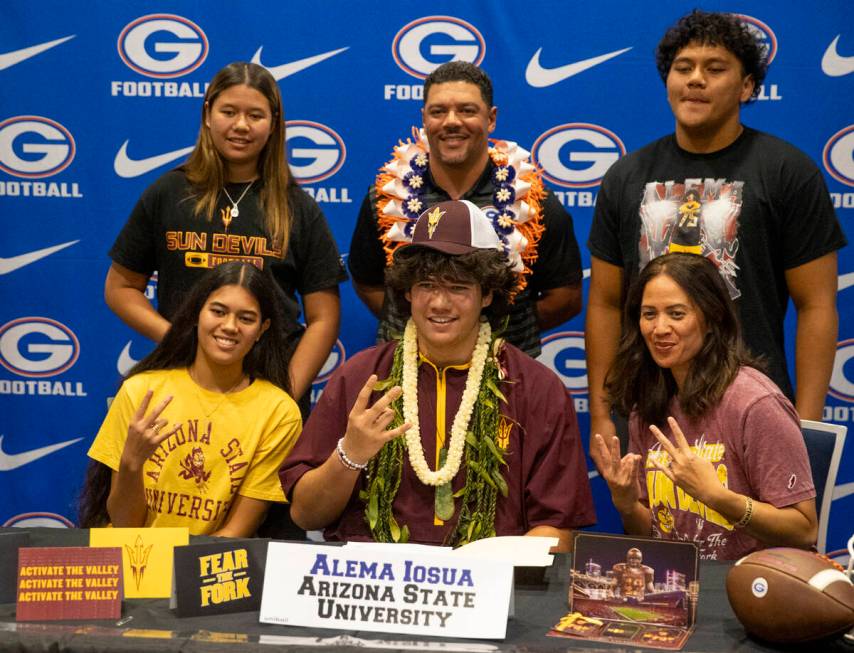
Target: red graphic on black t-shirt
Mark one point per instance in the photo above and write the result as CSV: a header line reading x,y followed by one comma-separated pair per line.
x,y
698,216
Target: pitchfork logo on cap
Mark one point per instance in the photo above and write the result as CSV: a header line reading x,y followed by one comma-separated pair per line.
x,y
433,220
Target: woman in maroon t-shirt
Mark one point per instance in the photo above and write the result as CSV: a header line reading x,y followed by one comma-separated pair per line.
x,y
724,461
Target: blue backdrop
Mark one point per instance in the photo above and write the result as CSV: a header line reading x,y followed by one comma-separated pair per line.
x,y
99,98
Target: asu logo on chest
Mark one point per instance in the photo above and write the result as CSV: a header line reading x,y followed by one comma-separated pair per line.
x,y
193,467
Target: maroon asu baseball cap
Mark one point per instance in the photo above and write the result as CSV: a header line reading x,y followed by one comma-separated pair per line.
x,y
455,227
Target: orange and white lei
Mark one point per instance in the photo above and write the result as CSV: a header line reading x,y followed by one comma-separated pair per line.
x,y
517,200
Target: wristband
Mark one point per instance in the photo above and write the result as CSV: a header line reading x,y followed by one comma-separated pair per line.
x,y
345,459
748,515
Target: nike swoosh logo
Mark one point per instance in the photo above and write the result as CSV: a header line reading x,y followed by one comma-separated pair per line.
x,y
9,462
288,69
13,263
540,77
834,64
127,167
126,362
845,281
9,59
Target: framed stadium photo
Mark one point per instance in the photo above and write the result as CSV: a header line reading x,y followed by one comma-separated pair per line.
x,y
633,591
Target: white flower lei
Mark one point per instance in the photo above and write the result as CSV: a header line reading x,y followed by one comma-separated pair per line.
x,y
461,419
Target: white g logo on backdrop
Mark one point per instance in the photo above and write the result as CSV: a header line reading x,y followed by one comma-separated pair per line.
x,y
842,384
838,155
182,52
563,353
764,33
425,44
593,147
38,520
335,359
320,158
34,147
37,347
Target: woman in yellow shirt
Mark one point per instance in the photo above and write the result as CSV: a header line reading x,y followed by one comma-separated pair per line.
x,y
197,432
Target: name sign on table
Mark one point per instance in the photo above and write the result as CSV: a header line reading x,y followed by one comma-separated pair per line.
x,y
57,583
440,594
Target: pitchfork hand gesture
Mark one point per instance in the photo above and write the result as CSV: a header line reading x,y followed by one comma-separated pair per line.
x,y
144,433
691,472
367,426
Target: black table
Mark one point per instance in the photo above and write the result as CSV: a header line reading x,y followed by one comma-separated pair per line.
x,y
541,600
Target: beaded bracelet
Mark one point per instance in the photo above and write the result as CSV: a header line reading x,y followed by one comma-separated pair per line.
x,y
748,515
345,460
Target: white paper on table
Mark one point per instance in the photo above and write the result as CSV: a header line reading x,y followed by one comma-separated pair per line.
x,y
521,550
400,548
518,550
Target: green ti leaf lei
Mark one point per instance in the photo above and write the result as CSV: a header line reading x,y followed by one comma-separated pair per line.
x,y
482,464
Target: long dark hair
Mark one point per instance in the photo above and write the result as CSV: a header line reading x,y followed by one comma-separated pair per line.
x,y
636,382
268,359
205,169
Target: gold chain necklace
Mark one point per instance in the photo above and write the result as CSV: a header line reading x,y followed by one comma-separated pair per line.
x,y
225,394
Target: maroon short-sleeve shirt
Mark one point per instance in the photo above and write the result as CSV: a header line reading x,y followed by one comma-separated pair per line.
x,y
546,477
753,439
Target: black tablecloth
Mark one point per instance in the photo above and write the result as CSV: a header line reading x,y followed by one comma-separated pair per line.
x,y
541,600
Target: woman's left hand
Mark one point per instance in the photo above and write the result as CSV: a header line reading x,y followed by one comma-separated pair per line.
x,y
694,474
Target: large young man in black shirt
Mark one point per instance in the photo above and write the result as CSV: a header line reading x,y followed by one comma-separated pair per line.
x,y
752,203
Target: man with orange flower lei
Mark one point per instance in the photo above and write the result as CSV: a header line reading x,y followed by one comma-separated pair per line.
x,y
452,158
450,434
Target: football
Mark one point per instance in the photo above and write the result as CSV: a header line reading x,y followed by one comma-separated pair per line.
x,y
790,595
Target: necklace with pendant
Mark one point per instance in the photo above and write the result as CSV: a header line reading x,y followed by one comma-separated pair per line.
x,y
229,214
225,394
